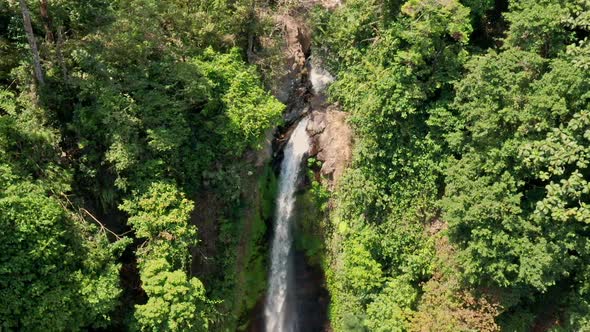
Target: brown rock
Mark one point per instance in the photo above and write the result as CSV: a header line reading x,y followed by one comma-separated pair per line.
x,y
332,142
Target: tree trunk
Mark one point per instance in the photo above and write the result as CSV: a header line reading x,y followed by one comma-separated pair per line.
x,y
50,37
60,57
32,42
47,22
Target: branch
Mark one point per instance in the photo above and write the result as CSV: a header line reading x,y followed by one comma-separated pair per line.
x,y
101,224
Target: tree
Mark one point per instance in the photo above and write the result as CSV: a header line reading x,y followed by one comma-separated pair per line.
x,y
161,215
516,189
54,274
539,26
391,310
32,42
395,61
175,301
141,114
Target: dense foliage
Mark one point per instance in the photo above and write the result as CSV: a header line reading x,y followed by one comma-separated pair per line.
x,y
141,107
490,144
56,275
58,271
130,198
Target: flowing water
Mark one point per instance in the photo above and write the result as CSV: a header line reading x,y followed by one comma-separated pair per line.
x,y
280,310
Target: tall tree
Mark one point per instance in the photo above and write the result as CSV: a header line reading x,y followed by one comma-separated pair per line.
x,y
47,24
32,42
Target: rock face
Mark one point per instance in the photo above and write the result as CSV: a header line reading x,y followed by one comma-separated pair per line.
x,y
297,47
331,142
292,75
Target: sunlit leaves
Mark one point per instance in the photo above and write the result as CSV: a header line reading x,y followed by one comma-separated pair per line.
x,y
176,302
521,179
241,108
54,274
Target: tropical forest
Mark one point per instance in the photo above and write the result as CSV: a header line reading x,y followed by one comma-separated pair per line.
x,y
295,165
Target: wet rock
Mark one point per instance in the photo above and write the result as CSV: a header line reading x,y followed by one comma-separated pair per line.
x,y
295,114
312,296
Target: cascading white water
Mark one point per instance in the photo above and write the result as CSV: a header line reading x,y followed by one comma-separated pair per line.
x,y
279,311
319,77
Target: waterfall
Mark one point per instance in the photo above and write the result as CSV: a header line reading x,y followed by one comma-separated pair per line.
x,y
279,312
319,77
